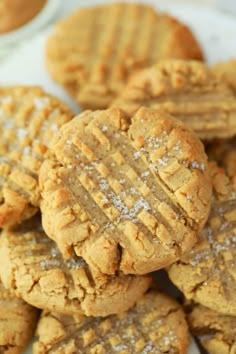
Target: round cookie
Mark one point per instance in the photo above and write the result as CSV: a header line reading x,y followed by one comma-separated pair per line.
x,y
92,52
156,324
217,333
31,265
28,120
207,273
17,322
125,196
187,89
15,13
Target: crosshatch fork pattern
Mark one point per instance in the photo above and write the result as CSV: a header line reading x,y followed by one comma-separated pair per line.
x,y
109,191
39,274
210,267
93,51
156,324
28,120
190,91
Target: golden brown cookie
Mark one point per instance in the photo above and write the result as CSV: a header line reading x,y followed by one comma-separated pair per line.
x,y
17,322
28,120
93,51
207,274
216,332
129,197
188,90
156,324
227,70
31,265
15,13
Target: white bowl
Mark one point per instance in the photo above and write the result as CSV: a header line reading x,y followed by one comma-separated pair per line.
x,y
10,39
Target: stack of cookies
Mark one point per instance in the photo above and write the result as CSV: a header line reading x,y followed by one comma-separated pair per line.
x,y
142,181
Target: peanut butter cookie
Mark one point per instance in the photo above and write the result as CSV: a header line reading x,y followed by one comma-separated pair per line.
x,y
125,196
207,273
156,324
28,120
17,322
216,332
93,51
187,89
31,265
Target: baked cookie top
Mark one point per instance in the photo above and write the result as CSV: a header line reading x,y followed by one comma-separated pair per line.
x,y
125,196
156,324
217,332
187,89
33,267
28,120
94,50
17,322
207,273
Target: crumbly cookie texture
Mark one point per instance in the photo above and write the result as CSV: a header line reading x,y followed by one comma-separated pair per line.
x,y
129,197
216,332
31,265
207,274
15,13
28,120
227,70
17,322
93,51
156,324
187,89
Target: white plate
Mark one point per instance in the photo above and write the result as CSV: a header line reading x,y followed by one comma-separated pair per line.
x,y
215,30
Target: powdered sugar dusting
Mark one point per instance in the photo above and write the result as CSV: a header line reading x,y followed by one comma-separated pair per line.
x,y
22,133
103,184
154,142
41,102
75,264
55,252
163,161
196,165
118,348
50,263
105,128
145,174
56,262
125,212
137,155
148,348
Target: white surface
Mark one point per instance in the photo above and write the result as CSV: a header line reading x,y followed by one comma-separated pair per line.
x,y
216,32
9,40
